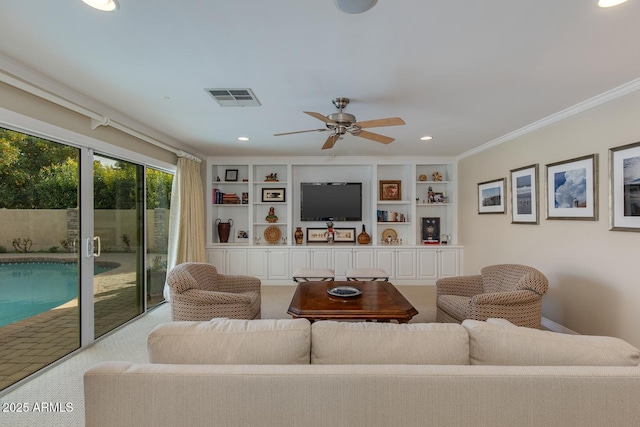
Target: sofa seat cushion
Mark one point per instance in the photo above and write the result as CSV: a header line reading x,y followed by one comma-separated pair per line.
x,y
362,343
496,344
231,341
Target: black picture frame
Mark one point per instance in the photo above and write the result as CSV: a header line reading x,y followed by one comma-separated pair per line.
x,y
430,230
231,175
273,195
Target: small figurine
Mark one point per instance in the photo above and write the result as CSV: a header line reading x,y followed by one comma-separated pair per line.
x,y
272,217
272,177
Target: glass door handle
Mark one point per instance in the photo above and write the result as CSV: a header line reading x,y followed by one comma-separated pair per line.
x,y
97,246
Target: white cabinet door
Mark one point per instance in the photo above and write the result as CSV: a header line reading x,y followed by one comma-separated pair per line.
x,y
299,258
342,261
236,261
427,264
363,258
320,258
405,267
216,258
278,264
257,263
449,263
384,259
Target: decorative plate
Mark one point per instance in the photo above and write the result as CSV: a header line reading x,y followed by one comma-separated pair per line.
x,y
344,291
389,232
272,234
436,176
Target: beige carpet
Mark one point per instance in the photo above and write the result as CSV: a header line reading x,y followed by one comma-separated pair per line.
x,y
62,384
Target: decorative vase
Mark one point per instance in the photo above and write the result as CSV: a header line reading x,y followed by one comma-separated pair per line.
x,y
298,235
224,229
364,238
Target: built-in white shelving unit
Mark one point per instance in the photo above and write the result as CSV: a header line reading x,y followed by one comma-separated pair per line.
x,y
426,186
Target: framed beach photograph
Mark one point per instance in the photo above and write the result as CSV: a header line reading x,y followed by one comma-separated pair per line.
x,y
391,190
491,196
316,235
524,195
231,175
273,195
624,182
344,235
572,189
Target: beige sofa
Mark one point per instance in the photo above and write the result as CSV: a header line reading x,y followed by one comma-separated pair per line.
x,y
293,373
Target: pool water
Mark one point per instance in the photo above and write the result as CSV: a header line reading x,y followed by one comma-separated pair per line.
x,y
27,289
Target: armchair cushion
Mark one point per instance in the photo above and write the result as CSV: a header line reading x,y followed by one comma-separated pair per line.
x,y
503,344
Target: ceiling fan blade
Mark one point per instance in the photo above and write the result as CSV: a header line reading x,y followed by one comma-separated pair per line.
x,y
331,141
374,137
299,131
391,121
320,117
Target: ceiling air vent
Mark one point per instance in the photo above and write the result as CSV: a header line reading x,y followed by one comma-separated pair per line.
x,y
234,97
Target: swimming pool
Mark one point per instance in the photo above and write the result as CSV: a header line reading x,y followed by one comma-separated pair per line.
x,y
30,288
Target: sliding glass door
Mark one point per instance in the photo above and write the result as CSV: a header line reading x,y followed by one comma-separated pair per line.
x,y
83,248
39,254
119,220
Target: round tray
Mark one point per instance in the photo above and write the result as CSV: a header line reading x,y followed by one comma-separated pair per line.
x,y
344,291
389,232
272,234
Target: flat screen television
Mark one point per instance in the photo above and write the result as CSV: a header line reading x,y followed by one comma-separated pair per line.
x,y
331,201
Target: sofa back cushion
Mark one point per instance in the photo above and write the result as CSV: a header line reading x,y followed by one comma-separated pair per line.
x,y
495,344
231,341
362,343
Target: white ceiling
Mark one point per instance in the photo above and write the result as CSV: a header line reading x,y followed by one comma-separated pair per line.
x,y
467,72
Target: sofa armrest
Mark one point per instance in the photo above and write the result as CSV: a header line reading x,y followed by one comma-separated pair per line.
x,y
200,297
238,283
465,286
505,298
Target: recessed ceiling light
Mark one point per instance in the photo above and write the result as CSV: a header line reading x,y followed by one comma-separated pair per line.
x,y
610,3
243,138
426,138
104,5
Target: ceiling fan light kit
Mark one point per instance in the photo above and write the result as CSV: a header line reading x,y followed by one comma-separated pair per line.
x,y
355,6
340,123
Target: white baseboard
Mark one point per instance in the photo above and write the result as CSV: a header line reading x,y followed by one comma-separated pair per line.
x,y
556,327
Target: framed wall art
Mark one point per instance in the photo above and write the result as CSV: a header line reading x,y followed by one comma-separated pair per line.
x,y
231,175
624,182
430,230
491,196
391,190
572,189
524,195
273,195
344,235
316,235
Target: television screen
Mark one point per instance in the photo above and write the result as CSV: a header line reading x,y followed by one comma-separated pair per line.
x,y
335,201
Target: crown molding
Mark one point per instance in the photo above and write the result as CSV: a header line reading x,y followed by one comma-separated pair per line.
x,y
596,101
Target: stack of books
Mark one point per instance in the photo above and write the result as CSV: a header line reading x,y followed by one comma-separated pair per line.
x,y
230,199
220,198
386,216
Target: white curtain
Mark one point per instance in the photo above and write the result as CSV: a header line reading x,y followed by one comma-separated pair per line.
x,y
186,220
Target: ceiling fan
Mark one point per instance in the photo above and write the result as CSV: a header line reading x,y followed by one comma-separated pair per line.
x,y
340,123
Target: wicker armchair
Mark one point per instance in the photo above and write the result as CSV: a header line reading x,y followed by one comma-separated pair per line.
x,y
198,292
509,291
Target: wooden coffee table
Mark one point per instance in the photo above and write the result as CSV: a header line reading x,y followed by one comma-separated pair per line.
x,y
379,301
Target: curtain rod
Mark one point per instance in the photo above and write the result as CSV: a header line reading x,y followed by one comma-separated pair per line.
x,y
96,119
